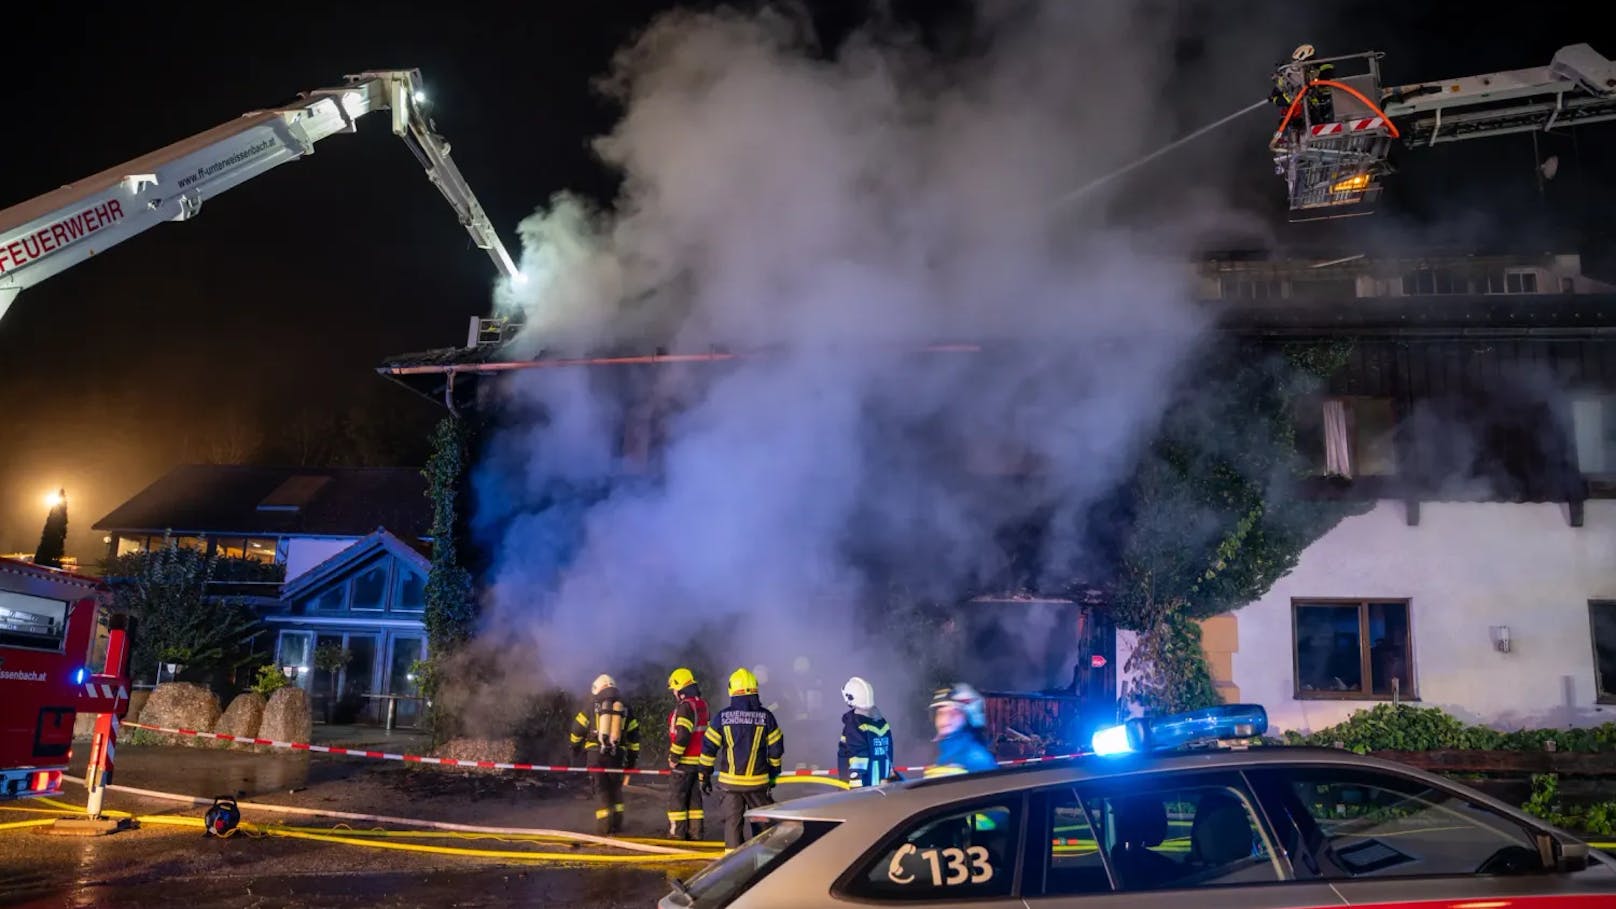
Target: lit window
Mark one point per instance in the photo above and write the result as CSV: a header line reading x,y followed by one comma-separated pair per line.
x,y
1355,649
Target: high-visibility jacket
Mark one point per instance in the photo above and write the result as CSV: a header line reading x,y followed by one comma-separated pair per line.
x,y
744,745
960,752
614,732
687,726
864,755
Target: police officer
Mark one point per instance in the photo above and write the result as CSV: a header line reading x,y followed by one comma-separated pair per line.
x,y
960,717
687,727
746,748
610,739
864,755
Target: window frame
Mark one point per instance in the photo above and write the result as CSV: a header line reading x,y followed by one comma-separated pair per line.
x,y
846,884
1271,783
1366,690
1600,695
385,563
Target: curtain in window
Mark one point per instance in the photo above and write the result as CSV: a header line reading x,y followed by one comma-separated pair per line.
x,y
1337,440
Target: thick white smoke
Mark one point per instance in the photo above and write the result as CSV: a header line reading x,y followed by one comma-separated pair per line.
x,y
836,212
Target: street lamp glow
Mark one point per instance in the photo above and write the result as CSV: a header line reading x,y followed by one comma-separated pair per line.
x,y
53,499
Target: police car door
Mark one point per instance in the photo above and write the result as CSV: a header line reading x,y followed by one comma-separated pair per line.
x,y
966,853
1192,838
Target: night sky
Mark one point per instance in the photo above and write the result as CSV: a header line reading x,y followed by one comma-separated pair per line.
x,y
241,334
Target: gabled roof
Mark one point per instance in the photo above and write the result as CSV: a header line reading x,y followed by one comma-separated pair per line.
x,y
377,543
275,501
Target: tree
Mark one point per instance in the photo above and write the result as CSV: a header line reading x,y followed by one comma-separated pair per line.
x,y
166,591
53,541
1216,515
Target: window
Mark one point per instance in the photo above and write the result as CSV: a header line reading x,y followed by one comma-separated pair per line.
x,y
1349,436
1371,824
1353,649
1426,281
1512,281
1593,421
968,853
328,600
296,649
1074,864
722,881
409,594
260,551
1251,288
32,622
370,587
230,547
128,545
1602,618
1179,831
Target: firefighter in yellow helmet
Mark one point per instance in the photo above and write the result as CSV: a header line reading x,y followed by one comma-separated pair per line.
x,y
687,726
745,747
609,737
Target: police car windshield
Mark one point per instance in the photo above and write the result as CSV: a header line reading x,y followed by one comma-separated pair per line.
x,y
724,879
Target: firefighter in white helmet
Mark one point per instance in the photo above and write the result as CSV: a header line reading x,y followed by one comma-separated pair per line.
x,y
864,754
609,737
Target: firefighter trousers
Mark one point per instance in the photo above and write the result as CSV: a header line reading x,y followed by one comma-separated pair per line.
x,y
685,814
608,793
733,805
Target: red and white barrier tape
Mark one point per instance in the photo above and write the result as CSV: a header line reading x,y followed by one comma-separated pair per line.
x,y
496,765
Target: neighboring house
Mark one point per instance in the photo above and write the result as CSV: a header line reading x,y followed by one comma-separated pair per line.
x,y
1474,420
293,516
368,599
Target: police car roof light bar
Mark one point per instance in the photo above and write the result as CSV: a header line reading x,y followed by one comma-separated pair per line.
x,y
1138,735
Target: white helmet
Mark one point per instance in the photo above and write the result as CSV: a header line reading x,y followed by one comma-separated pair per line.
x,y
602,682
859,694
963,697
1302,52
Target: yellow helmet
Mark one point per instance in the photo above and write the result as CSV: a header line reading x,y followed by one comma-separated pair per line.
x,y
742,681
680,679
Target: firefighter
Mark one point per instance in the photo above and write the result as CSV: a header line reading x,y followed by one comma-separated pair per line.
x,y
687,727
960,716
746,748
864,755
611,741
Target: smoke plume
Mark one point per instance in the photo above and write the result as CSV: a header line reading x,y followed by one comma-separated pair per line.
x,y
832,212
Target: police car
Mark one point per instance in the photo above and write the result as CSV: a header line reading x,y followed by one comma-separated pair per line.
x,y
1166,812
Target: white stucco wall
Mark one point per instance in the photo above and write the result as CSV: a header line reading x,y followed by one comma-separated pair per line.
x,y
1464,568
303,553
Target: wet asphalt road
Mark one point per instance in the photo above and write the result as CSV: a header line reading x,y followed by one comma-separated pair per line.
x,y
168,866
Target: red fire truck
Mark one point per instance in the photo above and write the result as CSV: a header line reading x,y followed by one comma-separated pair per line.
x,y
48,624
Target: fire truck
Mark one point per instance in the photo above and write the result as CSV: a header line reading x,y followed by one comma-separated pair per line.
x,y
48,625
1335,135
48,234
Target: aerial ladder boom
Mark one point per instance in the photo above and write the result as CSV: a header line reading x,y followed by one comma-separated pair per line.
x,y
53,232
1334,138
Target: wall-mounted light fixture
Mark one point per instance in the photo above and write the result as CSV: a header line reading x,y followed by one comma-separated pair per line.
x,y
1500,636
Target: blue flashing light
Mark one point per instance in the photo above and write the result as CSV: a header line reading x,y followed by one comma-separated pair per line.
x,y
79,675
1112,740
1230,721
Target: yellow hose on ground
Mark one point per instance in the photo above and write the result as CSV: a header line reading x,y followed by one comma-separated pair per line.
x,y
17,825
821,780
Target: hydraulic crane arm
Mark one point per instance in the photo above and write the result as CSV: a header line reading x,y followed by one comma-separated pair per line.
x,y
53,232
1334,138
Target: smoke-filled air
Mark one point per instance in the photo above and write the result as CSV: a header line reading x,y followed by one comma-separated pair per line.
x,y
932,350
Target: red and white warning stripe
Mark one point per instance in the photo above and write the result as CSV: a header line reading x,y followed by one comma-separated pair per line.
x,y
1349,126
495,765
